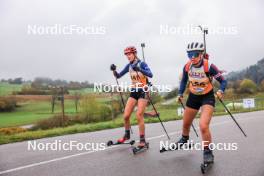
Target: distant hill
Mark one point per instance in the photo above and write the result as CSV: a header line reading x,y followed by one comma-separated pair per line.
x,y
254,72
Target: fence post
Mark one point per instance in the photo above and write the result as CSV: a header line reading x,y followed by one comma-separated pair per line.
x,y
234,108
62,105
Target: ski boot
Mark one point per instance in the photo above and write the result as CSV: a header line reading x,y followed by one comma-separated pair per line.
x,y
178,145
122,140
208,158
143,146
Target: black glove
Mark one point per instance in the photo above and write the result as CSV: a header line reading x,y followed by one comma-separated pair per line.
x,y
135,68
179,98
113,67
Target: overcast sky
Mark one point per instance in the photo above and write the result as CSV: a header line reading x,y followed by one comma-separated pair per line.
x,y
120,23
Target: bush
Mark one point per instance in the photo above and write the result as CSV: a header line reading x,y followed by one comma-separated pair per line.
x,y
171,94
90,111
93,111
116,106
12,130
15,81
229,93
248,86
7,104
28,90
56,121
155,97
262,85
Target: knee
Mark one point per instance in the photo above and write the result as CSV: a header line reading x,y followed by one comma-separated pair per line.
x,y
139,115
126,117
204,128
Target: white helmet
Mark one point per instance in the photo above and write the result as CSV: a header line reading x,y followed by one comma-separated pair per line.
x,y
195,46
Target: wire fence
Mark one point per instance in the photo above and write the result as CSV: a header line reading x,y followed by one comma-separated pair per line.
x,y
241,105
235,105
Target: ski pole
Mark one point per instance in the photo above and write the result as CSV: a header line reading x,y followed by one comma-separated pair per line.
x,y
231,115
143,46
205,31
120,93
123,102
156,112
192,123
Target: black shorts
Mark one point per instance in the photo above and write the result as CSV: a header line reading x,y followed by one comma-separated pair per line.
x,y
196,101
137,94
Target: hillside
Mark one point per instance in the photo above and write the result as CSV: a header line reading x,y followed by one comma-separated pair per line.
x,y
254,72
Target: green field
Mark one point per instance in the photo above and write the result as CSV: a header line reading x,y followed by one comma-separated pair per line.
x,y
166,115
32,111
8,89
82,91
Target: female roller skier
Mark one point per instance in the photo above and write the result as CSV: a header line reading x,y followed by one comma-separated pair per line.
x,y
200,74
139,71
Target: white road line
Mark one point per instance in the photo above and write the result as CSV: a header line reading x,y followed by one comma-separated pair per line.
x,y
86,153
53,160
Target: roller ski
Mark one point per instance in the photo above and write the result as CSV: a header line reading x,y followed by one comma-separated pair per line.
x,y
110,143
178,145
208,160
123,140
140,148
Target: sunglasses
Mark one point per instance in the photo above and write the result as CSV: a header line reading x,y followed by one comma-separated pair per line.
x,y
192,55
128,53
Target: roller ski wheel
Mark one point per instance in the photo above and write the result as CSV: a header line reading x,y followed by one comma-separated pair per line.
x,y
140,149
208,161
190,145
178,145
205,167
110,143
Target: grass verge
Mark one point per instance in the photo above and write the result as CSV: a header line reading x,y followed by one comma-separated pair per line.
x,y
166,115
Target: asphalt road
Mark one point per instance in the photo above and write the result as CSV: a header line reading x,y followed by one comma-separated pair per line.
x,y
247,160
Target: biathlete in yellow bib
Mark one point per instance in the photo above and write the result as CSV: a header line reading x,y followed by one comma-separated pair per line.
x,y
199,73
139,73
